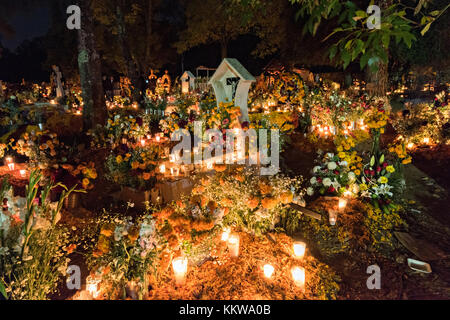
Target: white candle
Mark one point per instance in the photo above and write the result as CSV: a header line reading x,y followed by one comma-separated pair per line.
x,y
233,245
342,204
333,217
143,142
158,138
23,173
11,166
92,286
426,140
179,266
298,275
162,168
268,270
299,249
8,160
225,234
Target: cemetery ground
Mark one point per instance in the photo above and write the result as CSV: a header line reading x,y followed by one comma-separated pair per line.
x,y
427,219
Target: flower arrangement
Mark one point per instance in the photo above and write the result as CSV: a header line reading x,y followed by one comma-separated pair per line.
x,y
424,124
33,248
124,253
243,199
133,167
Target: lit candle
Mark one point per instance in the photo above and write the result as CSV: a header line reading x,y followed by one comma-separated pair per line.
x,y
149,136
342,204
92,286
426,140
8,160
142,142
225,234
233,245
162,168
158,138
298,275
179,266
175,171
268,270
333,217
11,166
299,249
23,173
410,145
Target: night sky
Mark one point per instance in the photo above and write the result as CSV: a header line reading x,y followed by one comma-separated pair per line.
x,y
27,24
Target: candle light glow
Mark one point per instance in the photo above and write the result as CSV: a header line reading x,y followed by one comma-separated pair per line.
x,y
299,249
179,266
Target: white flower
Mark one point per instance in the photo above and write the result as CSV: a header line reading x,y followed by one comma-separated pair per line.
x,y
343,163
310,191
351,176
313,180
327,182
331,165
330,155
316,168
336,184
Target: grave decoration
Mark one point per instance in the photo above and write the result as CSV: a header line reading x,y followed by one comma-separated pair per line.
x,y
231,83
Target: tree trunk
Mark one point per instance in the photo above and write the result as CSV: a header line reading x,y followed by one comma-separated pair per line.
x,y
131,70
377,82
148,50
224,48
89,64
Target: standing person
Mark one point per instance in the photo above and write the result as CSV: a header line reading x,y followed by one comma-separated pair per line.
x,y
152,81
108,87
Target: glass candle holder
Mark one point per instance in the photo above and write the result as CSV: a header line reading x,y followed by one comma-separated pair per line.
x,y
268,270
233,245
179,266
299,249
298,275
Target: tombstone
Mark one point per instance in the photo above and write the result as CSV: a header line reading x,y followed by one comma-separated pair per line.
x,y
166,81
231,82
187,82
58,78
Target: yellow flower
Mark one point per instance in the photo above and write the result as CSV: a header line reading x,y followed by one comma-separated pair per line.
x,y
383,179
119,159
407,160
363,187
340,149
341,155
357,172
85,182
390,169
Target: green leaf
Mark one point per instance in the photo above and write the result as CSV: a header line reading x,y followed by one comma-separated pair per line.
x,y
363,61
333,51
345,58
372,161
382,159
2,289
424,30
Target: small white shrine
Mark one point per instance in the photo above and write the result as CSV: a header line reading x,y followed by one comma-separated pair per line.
x,y
187,82
232,81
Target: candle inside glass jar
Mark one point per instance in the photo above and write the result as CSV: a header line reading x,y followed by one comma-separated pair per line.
x,y
179,266
299,249
92,286
158,138
342,204
298,275
11,166
332,217
8,160
233,245
162,168
225,234
268,270
143,142
23,173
